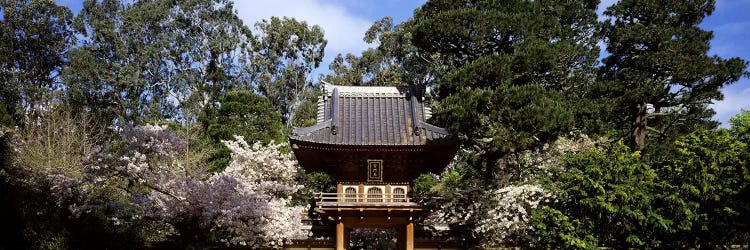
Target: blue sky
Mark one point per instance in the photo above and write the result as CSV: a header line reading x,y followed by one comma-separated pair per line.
x,y
345,22
731,25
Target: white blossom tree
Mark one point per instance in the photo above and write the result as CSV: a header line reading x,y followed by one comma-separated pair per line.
x,y
247,204
494,216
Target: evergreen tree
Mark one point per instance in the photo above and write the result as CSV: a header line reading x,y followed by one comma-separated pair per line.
x,y
34,36
708,172
604,197
659,70
283,55
242,114
509,66
156,58
306,113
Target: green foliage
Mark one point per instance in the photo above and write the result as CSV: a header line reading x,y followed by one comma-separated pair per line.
x,y
611,198
34,36
248,115
306,113
506,118
6,120
31,219
709,174
605,198
242,114
553,229
511,67
35,218
320,182
425,185
386,65
159,59
58,142
284,54
740,126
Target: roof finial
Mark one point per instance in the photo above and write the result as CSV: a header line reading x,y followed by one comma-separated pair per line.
x,y
334,110
414,115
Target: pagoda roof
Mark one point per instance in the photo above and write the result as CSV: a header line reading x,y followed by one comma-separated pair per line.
x,y
372,116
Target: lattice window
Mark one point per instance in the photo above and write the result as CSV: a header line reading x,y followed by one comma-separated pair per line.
x,y
399,195
374,194
350,194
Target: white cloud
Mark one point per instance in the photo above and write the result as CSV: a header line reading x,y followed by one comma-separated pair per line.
x,y
343,30
736,97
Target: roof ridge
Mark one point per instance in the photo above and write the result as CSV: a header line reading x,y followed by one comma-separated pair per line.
x,y
400,90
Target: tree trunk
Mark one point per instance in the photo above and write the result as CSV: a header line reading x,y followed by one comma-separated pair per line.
x,y
640,130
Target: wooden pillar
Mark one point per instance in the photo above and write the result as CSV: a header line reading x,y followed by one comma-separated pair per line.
x,y
339,191
361,193
340,237
406,237
410,236
388,197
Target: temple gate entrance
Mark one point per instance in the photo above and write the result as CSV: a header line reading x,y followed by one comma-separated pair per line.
x,y
374,141
373,239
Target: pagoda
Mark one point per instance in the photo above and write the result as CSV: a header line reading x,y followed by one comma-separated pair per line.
x,y
374,141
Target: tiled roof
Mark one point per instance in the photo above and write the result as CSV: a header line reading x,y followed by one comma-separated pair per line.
x,y
350,115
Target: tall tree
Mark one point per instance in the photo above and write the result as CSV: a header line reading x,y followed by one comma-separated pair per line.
x,y
502,73
659,68
34,37
205,53
394,61
156,58
105,74
740,130
284,54
379,66
509,66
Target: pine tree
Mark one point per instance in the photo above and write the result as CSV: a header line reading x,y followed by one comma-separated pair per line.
x,y
659,70
510,65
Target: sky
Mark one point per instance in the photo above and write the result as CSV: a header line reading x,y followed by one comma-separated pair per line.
x,y
345,23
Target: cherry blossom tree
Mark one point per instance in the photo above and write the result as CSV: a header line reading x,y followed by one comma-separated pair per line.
x,y
247,204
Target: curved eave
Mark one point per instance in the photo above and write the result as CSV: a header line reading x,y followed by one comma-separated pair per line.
x,y
303,144
311,155
324,133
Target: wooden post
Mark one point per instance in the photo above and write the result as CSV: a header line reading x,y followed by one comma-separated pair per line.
x,y
361,193
339,191
406,237
410,236
340,237
388,197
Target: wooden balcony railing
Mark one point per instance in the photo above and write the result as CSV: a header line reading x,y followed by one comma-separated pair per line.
x,y
328,199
